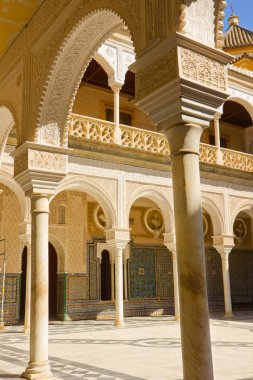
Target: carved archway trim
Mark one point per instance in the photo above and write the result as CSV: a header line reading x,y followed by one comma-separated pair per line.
x,y
96,190
66,72
160,199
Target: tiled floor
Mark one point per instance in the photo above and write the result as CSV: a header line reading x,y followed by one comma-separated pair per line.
x,y
144,349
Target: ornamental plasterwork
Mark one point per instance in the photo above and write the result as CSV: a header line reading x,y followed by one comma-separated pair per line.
x,y
155,17
47,161
71,65
202,70
156,74
199,21
49,134
45,55
220,6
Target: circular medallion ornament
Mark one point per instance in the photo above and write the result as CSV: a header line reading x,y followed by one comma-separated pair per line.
x,y
99,217
153,220
240,229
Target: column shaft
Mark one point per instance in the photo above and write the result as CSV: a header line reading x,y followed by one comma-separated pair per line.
x,y
112,281
175,284
28,291
125,279
38,366
194,317
116,91
226,285
119,308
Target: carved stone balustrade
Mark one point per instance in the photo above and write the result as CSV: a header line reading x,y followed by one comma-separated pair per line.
x,y
86,128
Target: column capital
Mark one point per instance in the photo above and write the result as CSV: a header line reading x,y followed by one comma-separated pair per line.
x,y
217,115
115,85
118,237
39,168
224,240
223,244
171,87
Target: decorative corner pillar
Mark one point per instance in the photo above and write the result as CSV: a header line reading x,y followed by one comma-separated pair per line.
x,y
116,87
39,169
216,120
224,244
170,243
180,83
118,239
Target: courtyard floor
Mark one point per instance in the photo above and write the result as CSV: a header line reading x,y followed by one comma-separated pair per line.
x,y
146,348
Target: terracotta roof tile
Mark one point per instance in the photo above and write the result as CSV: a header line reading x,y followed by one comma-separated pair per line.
x,y
236,36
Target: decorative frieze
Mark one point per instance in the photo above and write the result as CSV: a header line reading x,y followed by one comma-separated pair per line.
x,y
157,74
41,160
47,161
202,70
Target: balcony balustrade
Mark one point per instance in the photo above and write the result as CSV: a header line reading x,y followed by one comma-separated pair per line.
x,y
87,128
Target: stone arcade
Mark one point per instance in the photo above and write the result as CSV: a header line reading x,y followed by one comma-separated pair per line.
x,y
126,139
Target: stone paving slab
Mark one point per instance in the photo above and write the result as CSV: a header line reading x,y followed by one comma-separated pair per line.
x,y
144,349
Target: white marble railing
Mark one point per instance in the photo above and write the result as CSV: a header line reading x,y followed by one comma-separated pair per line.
x,y
87,128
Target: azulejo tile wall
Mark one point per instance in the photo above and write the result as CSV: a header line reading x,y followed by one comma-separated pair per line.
x,y
142,273
12,298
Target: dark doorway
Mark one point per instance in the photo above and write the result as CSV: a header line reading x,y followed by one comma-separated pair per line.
x,y
23,284
241,278
105,276
52,267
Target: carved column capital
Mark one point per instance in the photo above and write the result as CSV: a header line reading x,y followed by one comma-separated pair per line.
x,y
39,168
224,245
118,238
181,81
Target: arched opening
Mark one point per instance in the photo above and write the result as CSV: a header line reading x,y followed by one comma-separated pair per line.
x,y
241,263
150,268
235,127
52,276
105,277
213,265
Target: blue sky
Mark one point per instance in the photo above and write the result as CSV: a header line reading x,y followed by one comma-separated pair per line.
x,y
243,9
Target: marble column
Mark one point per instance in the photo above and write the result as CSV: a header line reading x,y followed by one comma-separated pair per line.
x,y
28,290
38,366
116,91
175,284
216,120
119,305
224,253
112,277
125,278
184,142
118,239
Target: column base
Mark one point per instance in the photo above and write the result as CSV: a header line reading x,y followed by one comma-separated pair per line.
x,y
119,323
177,318
38,371
26,330
2,326
228,315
